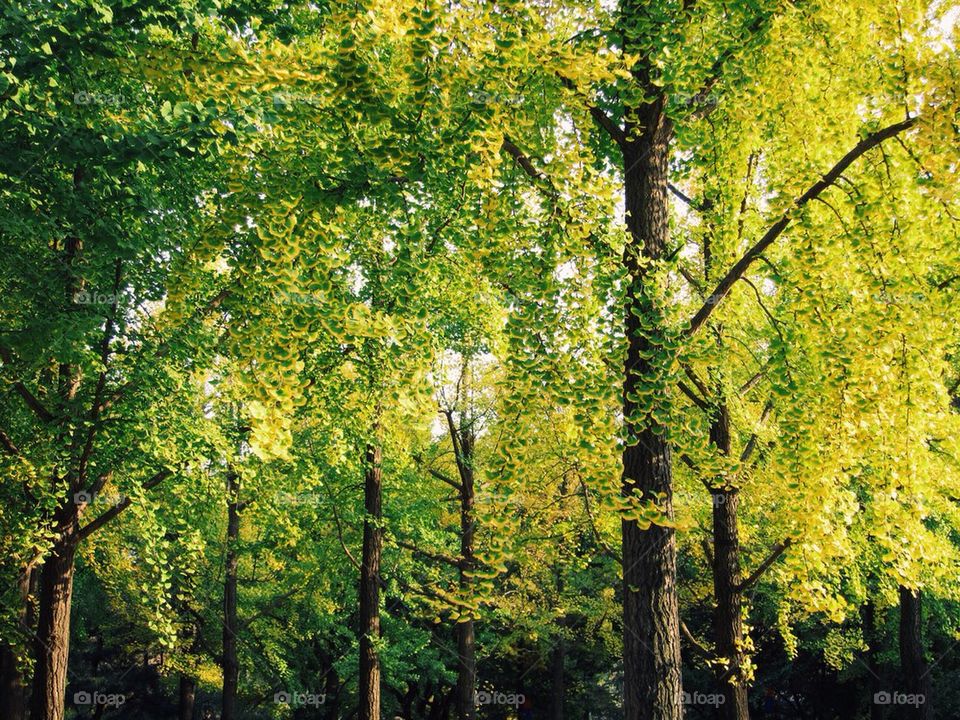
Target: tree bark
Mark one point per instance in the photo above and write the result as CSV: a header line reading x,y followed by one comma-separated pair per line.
x,y
557,685
52,640
370,587
872,638
912,665
187,699
651,623
231,665
728,619
466,645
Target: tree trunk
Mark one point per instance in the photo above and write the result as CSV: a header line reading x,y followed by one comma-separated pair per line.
x,y
52,640
370,587
728,620
188,696
872,638
331,686
557,687
912,665
466,646
13,686
231,666
651,622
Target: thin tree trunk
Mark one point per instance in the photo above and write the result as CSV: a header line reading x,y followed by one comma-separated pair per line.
x,y
52,641
13,685
231,665
651,622
466,645
557,685
728,620
370,587
187,699
872,639
912,665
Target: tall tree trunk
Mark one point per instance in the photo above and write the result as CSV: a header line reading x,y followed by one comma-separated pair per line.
x,y
651,622
728,620
466,646
187,699
370,587
557,686
872,638
13,686
52,640
231,665
912,665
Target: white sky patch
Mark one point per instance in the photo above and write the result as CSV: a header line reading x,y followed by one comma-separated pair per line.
x,y
566,271
943,30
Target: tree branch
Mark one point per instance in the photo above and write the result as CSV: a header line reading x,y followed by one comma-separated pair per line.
x,y
8,444
29,398
437,474
701,649
615,132
98,522
775,552
608,551
740,267
524,162
752,442
438,557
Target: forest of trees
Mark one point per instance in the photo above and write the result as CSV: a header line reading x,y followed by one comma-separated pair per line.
x,y
481,360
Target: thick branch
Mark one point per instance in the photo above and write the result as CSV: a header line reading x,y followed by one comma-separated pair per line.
x,y
429,554
8,444
439,475
694,398
700,648
524,162
752,442
740,267
775,552
98,522
29,398
599,116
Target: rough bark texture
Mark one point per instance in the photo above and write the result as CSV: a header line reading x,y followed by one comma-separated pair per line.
x,y
728,620
651,623
369,708
466,646
231,666
916,679
52,641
